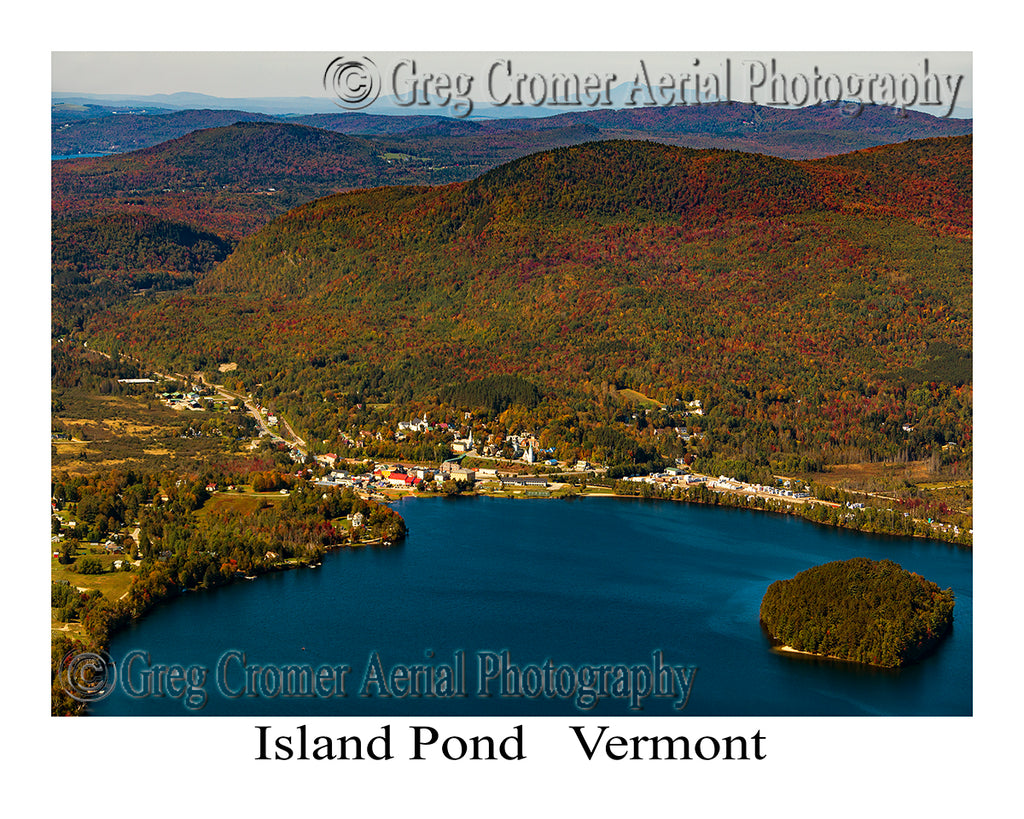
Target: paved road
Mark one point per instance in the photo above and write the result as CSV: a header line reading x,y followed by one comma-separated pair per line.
x,y
292,440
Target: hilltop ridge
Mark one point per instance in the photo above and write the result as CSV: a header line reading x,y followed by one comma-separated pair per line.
x,y
544,198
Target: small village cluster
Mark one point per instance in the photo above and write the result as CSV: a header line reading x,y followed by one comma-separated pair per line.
x,y
399,476
520,446
679,476
193,399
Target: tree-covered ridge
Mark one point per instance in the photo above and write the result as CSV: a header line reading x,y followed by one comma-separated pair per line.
x,y
863,610
101,260
134,241
224,193
587,205
231,179
790,131
131,131
638,180
929,181
241,154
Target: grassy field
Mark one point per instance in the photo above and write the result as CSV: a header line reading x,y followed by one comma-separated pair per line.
x,y
639,398
75,631
860,475
245,501
112,583
125,431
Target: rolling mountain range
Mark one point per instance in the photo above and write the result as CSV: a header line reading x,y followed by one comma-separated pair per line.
x,y
819,308
129,131
236,178
231,179
217,168
794,133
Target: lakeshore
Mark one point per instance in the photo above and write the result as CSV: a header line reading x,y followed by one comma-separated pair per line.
x,y
134,609
535,578
790,650
734,497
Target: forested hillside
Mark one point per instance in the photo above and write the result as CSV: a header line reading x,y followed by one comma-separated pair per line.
x,y
821,310
231,179
121,132
100,261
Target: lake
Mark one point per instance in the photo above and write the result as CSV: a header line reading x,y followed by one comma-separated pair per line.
x,y
552,598
59,157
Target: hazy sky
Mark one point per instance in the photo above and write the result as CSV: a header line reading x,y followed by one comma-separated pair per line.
x,y
297,74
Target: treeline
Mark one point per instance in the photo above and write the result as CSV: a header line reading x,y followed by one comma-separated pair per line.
x,y
863,610
492,392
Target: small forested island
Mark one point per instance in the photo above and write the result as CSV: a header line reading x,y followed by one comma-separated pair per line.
x,y
863,610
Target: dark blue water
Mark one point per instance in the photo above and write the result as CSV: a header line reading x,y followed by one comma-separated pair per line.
x,y
585,583
59,157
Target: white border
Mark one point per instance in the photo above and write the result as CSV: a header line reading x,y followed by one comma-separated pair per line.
x,y
839,766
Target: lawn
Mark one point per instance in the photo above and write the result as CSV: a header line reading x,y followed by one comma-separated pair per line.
x,y
244,501
112,583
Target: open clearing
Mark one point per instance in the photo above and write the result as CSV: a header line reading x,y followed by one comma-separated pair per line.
x,y
244,502
112,583
639,398
124,431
